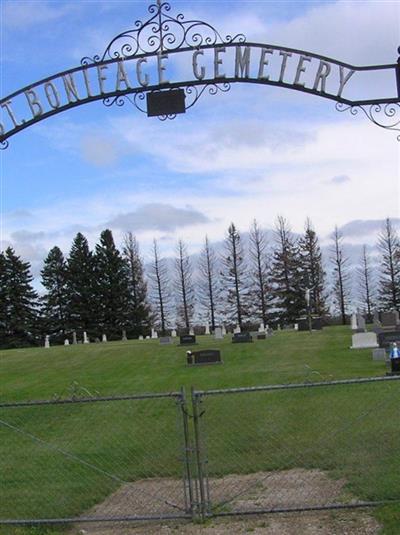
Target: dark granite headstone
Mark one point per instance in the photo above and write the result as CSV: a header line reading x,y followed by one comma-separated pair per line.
x,y
386,338
261,336
241,338
205,356
187,339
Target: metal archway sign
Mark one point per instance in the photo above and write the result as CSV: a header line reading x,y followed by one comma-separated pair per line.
x,y
163,66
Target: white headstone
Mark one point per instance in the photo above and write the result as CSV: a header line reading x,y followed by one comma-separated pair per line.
x,y
47,341
124,337
261,328
191,331
360,322
173,333
85,338
141,337
279,327
147,337
207,329
364,341
236,329
154,333
218,333
223,330
296,326
66,342
74,340
354,321
104,338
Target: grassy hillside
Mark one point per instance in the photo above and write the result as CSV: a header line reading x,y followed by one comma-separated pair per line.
x,y
61,460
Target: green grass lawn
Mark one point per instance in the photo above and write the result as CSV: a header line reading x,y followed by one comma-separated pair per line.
x,y
349,431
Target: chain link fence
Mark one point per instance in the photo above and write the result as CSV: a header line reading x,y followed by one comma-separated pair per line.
x,y
299,447
235,451
92,459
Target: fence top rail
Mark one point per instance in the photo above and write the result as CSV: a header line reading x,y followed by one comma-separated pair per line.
x,y
77,400
217,391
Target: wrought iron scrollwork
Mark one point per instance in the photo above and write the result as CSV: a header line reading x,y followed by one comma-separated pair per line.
x,y
192,94
162,33
385,116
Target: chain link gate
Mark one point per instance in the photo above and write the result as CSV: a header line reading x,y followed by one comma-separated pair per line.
x,y
298,447
95,459
267,449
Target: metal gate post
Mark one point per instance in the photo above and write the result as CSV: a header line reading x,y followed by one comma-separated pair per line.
x,y
202,506
187,456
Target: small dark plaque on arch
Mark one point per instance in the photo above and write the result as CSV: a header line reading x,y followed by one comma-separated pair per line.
x,y
165,102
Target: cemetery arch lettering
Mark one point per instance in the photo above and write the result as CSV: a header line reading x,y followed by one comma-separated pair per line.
x,y
164,65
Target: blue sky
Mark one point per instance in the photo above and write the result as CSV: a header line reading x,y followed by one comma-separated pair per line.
x,y
256,151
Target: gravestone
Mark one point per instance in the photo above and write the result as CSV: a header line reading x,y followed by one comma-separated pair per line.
x,y
261,336
218,333
296,326
316,324
279,327
104,338
364,341
187,339
379,354
85,338
389,319
386,338
207,331
354,321
141,337
147,337
205,356
376,319
154,333
97,340
47,341
223,330
165,340
173,333
240,338
237,329
261,328
66,342
124,337
74,340
191,331
360,323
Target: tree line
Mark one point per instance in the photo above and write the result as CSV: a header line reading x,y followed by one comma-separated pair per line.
x,y
108,291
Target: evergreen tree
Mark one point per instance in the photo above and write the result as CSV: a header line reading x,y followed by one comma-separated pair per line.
x,y
259,271
82,303
208,282
160,297
54,279
19,306
286,276
184,286
366,288
139,312
389,282
112,286
312,272
234,273
341,276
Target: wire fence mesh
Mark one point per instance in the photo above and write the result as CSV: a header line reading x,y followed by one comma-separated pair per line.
x,y
92,458
236,451
299,447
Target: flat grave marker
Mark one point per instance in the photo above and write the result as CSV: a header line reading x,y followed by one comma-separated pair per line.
x,y
204,356
187,339
241,338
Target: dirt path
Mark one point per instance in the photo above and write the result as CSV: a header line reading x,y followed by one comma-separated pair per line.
x,y
239,493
